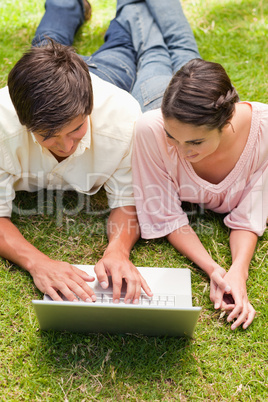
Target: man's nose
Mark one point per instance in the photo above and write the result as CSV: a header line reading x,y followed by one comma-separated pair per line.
x,y
65,144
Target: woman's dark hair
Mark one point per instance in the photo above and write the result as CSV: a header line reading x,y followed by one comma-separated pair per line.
x,y
50,86
200,94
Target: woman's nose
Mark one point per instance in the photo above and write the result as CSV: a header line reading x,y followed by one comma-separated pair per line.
x,y
185,150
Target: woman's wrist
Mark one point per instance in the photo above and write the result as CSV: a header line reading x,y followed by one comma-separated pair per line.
x,y
214,267
239,269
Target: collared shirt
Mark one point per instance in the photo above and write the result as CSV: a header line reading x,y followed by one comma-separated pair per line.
x,y
102,158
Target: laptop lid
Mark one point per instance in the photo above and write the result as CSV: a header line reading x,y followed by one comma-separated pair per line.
x,y
169,312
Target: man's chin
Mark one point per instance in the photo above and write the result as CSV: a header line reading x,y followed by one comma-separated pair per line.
x,y
62,154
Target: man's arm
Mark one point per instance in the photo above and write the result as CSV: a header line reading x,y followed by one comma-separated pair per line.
x,y
49,275
123,232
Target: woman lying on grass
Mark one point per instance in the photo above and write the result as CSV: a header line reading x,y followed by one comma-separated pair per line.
x,y
205,147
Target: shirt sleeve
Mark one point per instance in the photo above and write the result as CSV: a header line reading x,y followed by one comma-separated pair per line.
x,y
252,210
7,193
119,187
156,194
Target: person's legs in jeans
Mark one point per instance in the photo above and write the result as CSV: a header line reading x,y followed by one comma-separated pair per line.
x,y
174,27
176,31
114,62
60,22
154,69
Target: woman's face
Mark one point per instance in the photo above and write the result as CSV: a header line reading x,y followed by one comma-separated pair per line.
x,y
194,143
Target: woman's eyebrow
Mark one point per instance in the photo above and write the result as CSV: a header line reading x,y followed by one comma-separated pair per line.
x,y
186,142
195,140
168,135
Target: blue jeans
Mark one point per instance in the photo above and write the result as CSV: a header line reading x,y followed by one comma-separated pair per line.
x,y
173,25
144,44
163,40
114,62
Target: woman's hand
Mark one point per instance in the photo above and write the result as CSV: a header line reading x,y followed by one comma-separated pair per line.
x,y
237,303
218,286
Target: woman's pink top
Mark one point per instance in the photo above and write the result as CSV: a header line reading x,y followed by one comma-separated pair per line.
x,y
163,180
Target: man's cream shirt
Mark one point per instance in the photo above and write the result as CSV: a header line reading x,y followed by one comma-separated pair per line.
x,y
103,156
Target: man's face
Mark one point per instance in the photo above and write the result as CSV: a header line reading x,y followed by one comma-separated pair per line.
x,y
65,142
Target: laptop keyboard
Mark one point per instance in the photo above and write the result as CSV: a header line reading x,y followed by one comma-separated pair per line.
x,y
156,300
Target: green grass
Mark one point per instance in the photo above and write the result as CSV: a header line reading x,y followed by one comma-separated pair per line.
x,y
218,365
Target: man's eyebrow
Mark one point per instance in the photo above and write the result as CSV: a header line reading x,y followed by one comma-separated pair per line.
x,y
77,128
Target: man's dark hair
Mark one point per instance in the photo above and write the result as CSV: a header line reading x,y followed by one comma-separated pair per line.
x,y
50,86
200,94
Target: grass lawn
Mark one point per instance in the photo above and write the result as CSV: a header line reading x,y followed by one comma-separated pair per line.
x,y
218,364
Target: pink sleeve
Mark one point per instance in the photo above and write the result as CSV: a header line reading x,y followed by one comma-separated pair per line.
x,y
252,210
156,197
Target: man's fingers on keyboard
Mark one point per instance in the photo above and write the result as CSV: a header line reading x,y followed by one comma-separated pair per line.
x,y
101,275
131,291
137,295
145,287
63,293
84,292
54,294
74,289
117,285
83,274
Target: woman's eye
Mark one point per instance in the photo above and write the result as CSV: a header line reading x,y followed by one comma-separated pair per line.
x,y
169,136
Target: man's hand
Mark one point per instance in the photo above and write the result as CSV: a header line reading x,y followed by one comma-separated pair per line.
x,y
123,232
52,276
120,268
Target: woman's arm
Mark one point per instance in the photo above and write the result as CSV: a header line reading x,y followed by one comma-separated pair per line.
x,y
242,244
187,243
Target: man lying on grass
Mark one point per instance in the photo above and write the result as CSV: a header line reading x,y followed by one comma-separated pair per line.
x,y
67,122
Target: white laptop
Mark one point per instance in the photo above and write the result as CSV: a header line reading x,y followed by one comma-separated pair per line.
x,y
169,312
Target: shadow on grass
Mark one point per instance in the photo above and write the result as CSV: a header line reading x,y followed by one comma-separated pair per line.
x,y
134,358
